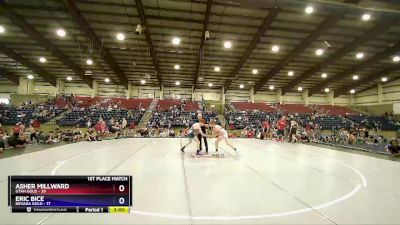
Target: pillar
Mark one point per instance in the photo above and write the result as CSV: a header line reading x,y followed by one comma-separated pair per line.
x,y
380,93
305,97
331,97
252,94
162,92
95,88
279,96
129,91
192,92
352,99
26,86
223,95
60,86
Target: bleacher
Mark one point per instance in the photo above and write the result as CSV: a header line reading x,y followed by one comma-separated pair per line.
x,y
82,116
294,108
165,105
43,112
383,122
248,106
333,110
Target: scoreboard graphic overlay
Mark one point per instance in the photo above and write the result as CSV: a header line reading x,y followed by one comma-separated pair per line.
x,y
70,194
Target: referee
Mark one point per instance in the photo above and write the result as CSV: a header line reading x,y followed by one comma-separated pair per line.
x,y
199,136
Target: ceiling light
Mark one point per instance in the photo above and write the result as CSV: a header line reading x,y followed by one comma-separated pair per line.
x,y
177,67
143,81
30,77
326,90
355,77
396,58
275,48
324,75
227,44
69,78
61,32
271,87
107,80
176,41
290,73
2,29
360,55
89,61
309,9
366,17
384,79
120,36
299,88
319,51
352,91
177,83
241,86
217,69
255,71
42,59
210,84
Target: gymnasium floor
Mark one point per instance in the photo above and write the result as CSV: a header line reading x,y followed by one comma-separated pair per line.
x,y
270,182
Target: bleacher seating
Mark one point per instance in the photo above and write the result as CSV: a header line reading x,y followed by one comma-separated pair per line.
x,y
44,112
329,122
332,110
382,122
165,105
248,106
294,108
191,107
82,116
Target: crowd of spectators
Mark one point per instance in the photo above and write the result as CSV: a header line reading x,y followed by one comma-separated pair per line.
x,y
27,113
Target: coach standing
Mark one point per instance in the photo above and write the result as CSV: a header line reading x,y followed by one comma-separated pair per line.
x,y
199,136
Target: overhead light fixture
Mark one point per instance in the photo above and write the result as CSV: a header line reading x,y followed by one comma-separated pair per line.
x,y
360,55
355,77
107,80
290,73
352,91
177,83
61,32
255,71
271,87
384,79
324,75
241,86
89,61
177,67
143,81
319,51
42,59
275,48
120,36
299,88
327,90
69,78
227,44
210,84
366,17
176,40
2,29
309,9
217,69
30,77
396,58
